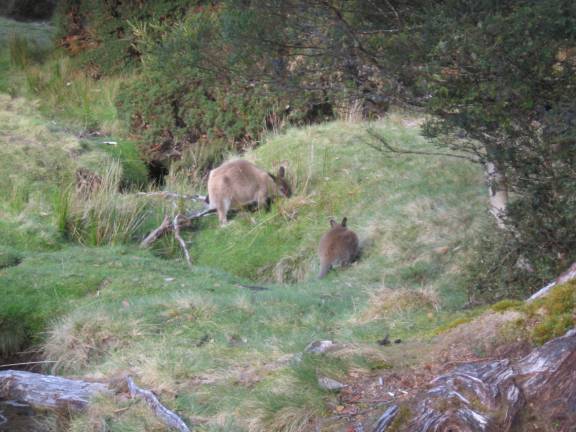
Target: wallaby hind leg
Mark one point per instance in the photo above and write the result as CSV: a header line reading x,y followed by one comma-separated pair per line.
x,y
222,208
263,201
324,267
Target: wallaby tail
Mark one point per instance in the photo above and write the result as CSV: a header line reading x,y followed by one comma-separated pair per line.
x,y
324,267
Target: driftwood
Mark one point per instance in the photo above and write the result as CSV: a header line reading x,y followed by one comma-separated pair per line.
x,y
494,395
168,417
47,391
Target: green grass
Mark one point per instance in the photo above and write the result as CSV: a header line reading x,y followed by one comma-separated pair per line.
x,y
228,352
225,350
232,356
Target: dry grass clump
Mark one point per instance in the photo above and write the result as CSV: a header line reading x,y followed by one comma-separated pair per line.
x,y
105,216
385,301
81,339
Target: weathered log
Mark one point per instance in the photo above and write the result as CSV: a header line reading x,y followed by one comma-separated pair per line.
x,y
168,417
47,391
492,395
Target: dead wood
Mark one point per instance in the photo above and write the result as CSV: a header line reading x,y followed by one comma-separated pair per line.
x,y
174,196
47,391
168,417
253,287
493,395
174,225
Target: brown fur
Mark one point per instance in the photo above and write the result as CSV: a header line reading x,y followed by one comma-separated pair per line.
x,y
338,246
239,183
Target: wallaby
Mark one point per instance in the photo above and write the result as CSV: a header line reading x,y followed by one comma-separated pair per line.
x,y
239,183
338,246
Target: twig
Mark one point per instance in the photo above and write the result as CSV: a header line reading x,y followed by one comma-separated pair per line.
x,y
253,287
168,417
179,222
28,363
174,195
387,147
176,226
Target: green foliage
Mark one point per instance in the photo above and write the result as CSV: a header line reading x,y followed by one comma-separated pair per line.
x,y
503,74
497,269
178,105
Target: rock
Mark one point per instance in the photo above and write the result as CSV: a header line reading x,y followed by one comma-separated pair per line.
x,y
326,383
319,347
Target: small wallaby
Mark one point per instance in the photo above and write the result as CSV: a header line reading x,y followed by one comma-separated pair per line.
x,y
239,183
338,246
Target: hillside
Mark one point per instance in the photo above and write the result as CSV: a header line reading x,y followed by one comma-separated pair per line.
x,y
90,140
200,334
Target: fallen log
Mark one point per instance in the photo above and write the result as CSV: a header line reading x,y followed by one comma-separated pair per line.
x,y
47,391
494,395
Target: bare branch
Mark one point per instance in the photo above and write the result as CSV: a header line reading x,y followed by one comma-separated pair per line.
x,y
176,226
168,225
168,417
386,147
173,195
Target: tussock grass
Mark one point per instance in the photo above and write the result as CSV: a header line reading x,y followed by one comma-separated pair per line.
x,y
106,216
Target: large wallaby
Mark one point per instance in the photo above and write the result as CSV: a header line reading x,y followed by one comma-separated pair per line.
x,y
239,183
338,246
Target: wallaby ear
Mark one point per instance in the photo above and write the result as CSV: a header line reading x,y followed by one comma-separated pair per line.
x,y
281,172
332,222
344,221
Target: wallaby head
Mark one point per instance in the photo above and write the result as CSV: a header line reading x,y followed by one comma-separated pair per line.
x,y
338,246
282,184
335,224
240,183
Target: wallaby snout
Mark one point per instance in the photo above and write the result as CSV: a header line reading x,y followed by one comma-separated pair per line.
x,y
338,246
239,183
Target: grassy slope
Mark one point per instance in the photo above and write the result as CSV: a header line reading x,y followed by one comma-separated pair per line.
x,y
174,328
222,349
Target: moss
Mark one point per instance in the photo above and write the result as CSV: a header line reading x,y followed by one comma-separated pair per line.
x,y
453,324
506,304
554,313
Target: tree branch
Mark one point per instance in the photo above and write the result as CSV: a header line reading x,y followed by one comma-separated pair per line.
x,y
386,147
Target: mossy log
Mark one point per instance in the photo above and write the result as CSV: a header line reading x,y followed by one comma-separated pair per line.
x,y
497,395
47,391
